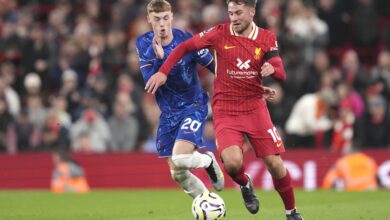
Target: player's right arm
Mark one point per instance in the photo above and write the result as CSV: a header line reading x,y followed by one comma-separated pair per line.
x,y
202,40
149,62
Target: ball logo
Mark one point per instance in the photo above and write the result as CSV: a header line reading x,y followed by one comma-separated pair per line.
x,y
243,65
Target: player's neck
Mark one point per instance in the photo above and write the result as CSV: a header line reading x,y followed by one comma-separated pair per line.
x,y
247,31
167,40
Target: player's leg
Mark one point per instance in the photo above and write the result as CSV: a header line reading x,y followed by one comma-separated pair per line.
x,y
188,138
166,136
268,146
184,156
191,184
232,158
229,142
283,184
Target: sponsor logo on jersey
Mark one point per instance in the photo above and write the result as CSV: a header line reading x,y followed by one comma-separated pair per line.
x,y
244,73
257,53
243,65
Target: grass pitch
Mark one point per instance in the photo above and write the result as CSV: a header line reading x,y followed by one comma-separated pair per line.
x,y
175,205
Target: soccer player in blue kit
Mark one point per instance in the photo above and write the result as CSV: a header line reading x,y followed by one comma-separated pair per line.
x,y
182,101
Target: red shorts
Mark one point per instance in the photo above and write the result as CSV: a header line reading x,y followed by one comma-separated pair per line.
x,y
257,125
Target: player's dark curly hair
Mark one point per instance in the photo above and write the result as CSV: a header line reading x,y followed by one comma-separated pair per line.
x,y
250,3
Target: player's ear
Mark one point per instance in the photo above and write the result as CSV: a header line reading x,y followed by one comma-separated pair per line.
x,y
149,19
252,12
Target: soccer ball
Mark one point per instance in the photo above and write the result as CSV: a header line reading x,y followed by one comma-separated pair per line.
x,y
208,206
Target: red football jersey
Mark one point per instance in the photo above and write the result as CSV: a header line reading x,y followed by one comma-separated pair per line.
x,y
238,60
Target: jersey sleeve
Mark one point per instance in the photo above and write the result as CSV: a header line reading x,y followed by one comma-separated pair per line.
x,y
149,63
205,39
204,58
273,47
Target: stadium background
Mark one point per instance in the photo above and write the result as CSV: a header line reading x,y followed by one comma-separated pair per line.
x,y
69,63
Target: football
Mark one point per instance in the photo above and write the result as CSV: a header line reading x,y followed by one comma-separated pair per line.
x,y
208,206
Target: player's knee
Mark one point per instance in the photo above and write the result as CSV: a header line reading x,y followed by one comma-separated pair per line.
x,y
179,175
232,165
181,161
275,167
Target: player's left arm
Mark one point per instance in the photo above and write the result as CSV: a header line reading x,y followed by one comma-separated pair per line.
x,y
273,65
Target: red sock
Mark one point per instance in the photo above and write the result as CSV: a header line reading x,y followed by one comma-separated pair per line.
x,y
239,177
285,190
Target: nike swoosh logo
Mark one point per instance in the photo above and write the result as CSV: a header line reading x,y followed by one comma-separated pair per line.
x,y
229,47
278,144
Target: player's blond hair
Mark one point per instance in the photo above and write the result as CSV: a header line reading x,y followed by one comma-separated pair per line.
x,y
158,6
250,3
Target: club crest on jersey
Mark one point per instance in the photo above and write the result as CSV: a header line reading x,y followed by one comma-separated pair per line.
x,y
257,53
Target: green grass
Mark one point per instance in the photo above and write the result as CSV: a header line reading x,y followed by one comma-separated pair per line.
x,y
174,204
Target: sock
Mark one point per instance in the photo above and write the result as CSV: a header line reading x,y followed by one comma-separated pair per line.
x,y
239,177
191,184
195,160
285,190
288,212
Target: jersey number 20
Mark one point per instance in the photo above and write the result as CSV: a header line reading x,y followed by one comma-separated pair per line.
x,y
194,125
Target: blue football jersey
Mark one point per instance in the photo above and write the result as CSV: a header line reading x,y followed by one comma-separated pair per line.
x,y
182,89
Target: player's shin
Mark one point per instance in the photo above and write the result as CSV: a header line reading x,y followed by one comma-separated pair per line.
x,y
191,184
195,160
285,190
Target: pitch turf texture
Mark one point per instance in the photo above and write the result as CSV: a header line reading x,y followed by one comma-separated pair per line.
x,y
174,204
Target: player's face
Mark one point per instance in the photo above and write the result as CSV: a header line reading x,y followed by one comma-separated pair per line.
x,y
241,16
161,23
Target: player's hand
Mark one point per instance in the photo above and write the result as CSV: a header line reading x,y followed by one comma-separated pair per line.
x,y
267,69
157,80
269,94
157,47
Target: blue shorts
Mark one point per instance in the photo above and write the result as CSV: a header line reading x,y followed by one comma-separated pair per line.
x,y
187,126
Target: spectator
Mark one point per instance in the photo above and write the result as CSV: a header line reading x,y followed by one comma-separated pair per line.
x,y
305,28
28,135
353,172
331,12
124,127
376,123
92,125
309,116
366,23
353,73
59,106
380,74
54,135
68,175
279,108
7,129
38,53
10,95
70,92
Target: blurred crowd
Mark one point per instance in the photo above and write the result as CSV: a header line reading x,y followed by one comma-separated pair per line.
x,y
70,78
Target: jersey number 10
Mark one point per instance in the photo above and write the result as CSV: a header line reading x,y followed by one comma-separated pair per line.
x,y
275,135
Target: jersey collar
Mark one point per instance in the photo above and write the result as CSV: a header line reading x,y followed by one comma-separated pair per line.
x,y
252,35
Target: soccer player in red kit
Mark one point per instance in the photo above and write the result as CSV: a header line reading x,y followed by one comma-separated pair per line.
x,y
244,54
